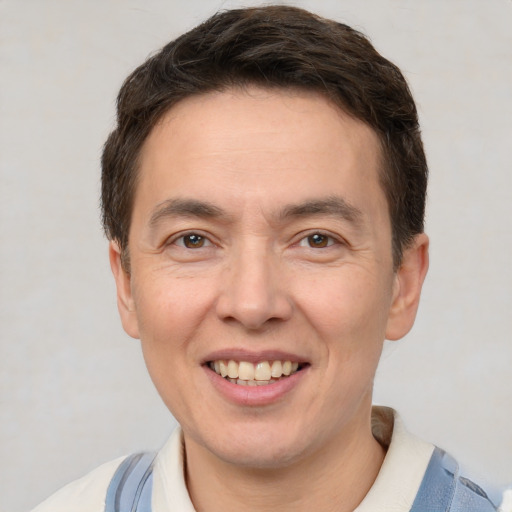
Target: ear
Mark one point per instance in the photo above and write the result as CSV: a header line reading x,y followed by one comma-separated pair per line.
x,y
407,288
125,302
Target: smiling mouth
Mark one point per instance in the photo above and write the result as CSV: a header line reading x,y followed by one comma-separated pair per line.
x,y
263,373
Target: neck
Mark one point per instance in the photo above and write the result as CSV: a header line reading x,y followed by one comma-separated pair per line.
x,y
335,478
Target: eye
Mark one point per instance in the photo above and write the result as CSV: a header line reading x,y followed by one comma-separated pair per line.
x,y
192,241
317,241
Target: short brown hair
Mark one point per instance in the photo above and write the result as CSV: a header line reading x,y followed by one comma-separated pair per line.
x,y
274,46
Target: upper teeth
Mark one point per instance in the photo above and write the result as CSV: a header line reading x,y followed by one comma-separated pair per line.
x,y
262,371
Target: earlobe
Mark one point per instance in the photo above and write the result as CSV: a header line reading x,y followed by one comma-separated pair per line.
x,y
408,283
125,302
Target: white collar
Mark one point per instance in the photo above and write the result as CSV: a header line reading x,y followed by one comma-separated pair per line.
x,y
170,492
394,490
404,466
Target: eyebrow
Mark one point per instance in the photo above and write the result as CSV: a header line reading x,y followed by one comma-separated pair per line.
x,y
185,208
333,205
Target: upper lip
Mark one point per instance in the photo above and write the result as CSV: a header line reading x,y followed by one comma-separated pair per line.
x,y
252,357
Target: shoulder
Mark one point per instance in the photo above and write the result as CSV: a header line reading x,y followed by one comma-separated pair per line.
x,y
84,495
470,497
444,488
417,476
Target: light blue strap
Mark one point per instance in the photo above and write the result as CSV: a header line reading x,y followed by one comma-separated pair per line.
x,y
443,490
130,487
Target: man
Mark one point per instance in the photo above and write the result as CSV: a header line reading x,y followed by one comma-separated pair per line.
x,y
264,194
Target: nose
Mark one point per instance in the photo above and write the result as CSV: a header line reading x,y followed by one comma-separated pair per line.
x,y
254,291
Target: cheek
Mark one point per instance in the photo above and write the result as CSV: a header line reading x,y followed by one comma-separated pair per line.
x,y
169,309
349,308
168,315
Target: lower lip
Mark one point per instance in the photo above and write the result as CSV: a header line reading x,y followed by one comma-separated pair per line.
x,y
255,395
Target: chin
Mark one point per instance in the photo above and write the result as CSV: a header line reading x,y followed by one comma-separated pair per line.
x,y
258,448
260,457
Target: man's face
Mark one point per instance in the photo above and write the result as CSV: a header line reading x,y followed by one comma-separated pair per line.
x,y
260,233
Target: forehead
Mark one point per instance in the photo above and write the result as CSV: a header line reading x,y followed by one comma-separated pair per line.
x,y
254,109
256,139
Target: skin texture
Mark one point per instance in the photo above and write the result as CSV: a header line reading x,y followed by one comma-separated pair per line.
x,y
257,173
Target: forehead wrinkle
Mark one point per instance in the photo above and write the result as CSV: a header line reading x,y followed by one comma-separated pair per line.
x,y
333,206
185,208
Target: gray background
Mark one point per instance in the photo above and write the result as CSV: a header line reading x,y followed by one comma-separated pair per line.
x,y
73,387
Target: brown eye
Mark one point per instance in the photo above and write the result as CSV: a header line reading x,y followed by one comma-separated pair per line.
x,y
193,241
318,240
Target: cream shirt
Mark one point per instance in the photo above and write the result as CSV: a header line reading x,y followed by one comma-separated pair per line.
x,y
394,490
